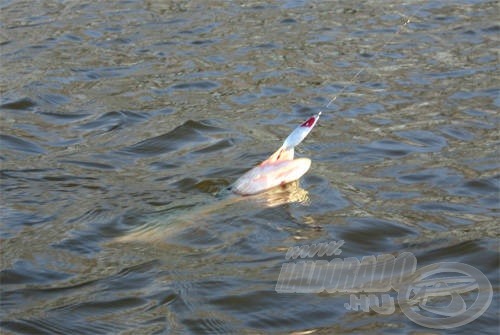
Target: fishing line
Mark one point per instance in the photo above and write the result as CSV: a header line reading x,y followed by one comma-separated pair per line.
x,y
406,21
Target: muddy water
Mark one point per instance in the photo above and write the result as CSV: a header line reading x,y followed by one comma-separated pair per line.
x,y
128,117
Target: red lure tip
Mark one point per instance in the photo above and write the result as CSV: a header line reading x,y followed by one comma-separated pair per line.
x,y
309,123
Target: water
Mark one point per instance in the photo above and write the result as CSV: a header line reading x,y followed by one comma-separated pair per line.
x,y
122,117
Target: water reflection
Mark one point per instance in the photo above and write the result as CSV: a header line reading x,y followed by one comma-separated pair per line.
x,y
166,227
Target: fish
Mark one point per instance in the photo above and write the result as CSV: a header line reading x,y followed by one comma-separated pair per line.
x,y
280,168
271,183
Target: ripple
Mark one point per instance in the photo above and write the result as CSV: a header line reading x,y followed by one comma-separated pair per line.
x,y
246,99
288,21
18,144
371,108
373,234
63,118
17,218
485,192
387,148
102,73
188,134
54,99
425,141
484,186
442,177
86,241
59,326
202,42
457,133
24,272
272,91
448,207
197,85
114,120
400,195
209,325
21,104
216,147
89,165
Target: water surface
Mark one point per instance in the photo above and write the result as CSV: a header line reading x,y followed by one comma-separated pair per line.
x,y
123,116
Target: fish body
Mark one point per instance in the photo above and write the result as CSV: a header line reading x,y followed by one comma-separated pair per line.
x,y
279,169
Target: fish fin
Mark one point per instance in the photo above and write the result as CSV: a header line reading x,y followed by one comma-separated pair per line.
x,y
282,154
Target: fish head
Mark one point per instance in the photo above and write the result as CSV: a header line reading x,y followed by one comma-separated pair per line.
x,y
271,174
280,168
